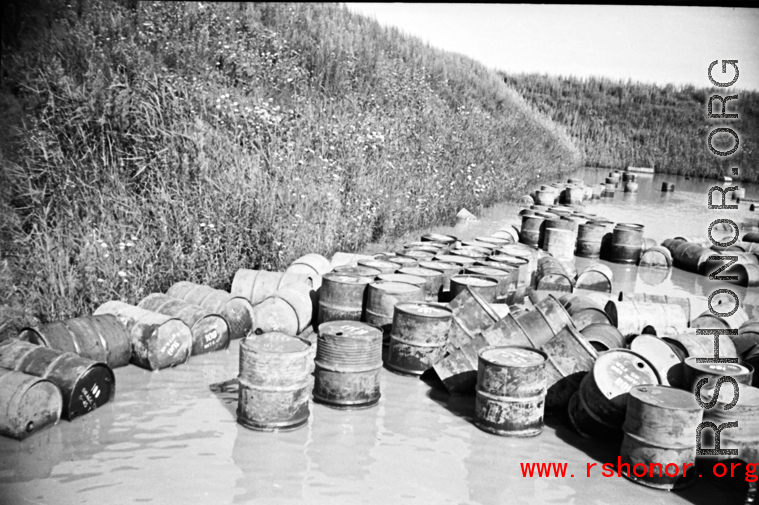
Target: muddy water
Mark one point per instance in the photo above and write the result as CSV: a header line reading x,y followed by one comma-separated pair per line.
x,y
168,438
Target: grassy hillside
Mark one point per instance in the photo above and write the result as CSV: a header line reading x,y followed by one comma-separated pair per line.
x,y
617,124
154,142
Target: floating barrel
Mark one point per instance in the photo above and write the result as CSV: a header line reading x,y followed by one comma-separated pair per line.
x,y
28,404
311,265
343,258
667,187
689,256
656,257
415,254
341,297
236,310
433,281
418,337
448,270
257,285
158,341
462,261
598,408
273,382
597,277
553,276
658,433
487,287
575,180
472,313
99,338
626,244
745,436
570,357
447,240
209,331
511,390
383,266
530,232
381,299
559,243
693,372
585,312
631,318
661,355
506,278
348,363
287,311
85,384
603,336
589,238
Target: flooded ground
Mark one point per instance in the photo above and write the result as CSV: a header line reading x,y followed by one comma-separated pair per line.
x,y
168,438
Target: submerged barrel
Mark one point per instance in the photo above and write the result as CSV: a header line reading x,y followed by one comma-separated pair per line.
x,y
236,310
418,337
341,297
158,341
659,429
589,238
656,257
570,357
553,276
598,408
85,384
209,331
596,277
511,390
381,299
99,338
273,382
28,404
258,285
626,244
348,363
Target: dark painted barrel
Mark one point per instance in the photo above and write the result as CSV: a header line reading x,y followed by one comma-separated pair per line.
x,y
597,277
418,337
745,436
341,297
471,314
585,312
209,331
570,357
626,244
631,187
598,408
158,341
28,404
747,337
589,238
384,267
273,382
603,336
574,195
85,384
99,338
631,318
487,287
447,269
689,256
660,354
659,433
433,281
693,372
667,187
257,285
236,310
348,363
511,391
530,232
628,177
381,299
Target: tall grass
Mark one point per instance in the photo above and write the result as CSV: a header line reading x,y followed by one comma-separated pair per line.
x,y
168,141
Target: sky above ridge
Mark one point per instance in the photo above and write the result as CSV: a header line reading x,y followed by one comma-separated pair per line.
x,y
655,44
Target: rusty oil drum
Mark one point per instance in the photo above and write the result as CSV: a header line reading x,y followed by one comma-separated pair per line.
x,y
626,243
273,382
257,285
381,299
511,391
99,338
744,437
288,311
570,357
28,404
384,267
85,384
418,337
486,287
158,341
433,280
471,314
210,332
661,355
598,408
348,363
341,297
236,310
589,238
447,269
659,432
